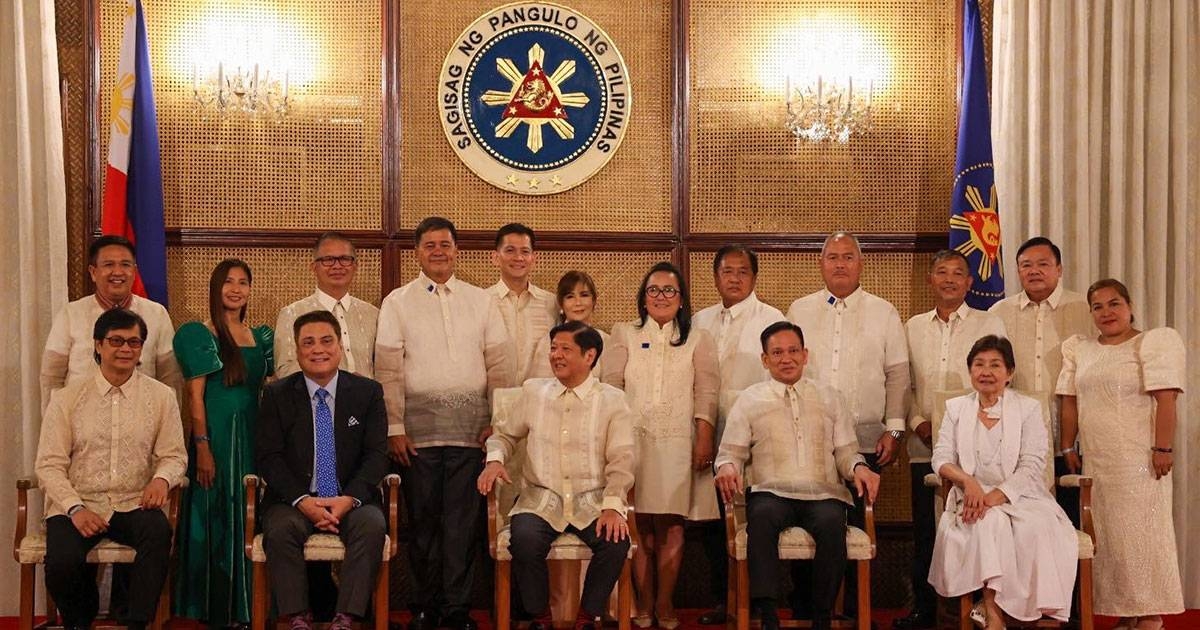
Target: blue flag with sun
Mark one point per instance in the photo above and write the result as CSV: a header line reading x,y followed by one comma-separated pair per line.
x,y
974,212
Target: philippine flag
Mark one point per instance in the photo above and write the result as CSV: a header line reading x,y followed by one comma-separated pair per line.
x,y
133,192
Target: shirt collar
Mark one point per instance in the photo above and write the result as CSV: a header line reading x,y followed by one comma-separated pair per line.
x,y
780,389
582,390
429,285
330,387
327,301
851,300
1053,300
103,387
502,290
109,305
744,306
962,312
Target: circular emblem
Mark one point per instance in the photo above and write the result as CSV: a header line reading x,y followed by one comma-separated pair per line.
x,y
534,98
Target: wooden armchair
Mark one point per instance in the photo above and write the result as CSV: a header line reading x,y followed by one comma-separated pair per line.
x,y
1086,536
320,547
795,544
29,549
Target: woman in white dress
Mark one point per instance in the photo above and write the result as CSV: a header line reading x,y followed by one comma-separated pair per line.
x,y
670,376
576,297
1118,393
1001,531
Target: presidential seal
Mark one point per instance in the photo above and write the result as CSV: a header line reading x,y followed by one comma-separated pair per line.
x,y
534,98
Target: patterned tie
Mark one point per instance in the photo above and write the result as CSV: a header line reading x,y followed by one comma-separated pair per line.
x,y
327,483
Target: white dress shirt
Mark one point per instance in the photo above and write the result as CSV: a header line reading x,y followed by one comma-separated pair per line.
x,y
737,331
528,317
937,354
439,352
856,345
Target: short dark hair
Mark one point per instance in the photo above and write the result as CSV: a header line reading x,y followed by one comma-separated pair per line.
x,y
585,337
430,224
116,319
683,317
108,240
332,235
516,228
946,254
1038,241
776,328
315,317
997,343
736,248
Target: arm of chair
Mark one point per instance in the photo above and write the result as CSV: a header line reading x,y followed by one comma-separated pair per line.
x,y
24,484
251,483
391,494
494,517
174,500
1084,483
869,525
731,527
631,519
932,480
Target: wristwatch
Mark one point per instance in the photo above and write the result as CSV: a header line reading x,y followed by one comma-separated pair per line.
x,y
200,438
74,509
896,435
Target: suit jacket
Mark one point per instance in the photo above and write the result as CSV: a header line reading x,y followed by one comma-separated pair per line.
x,y
284,438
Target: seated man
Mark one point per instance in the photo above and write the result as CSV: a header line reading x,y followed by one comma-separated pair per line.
x,y
111,447
578,472
800,438
321,448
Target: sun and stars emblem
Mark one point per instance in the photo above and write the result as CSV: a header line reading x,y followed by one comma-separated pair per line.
x,y
535,99
982,222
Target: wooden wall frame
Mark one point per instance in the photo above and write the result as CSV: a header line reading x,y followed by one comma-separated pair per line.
x,y
392,240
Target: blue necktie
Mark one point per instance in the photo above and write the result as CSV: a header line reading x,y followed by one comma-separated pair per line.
x,y
327,483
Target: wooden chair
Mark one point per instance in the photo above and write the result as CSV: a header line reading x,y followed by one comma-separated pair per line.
x,y
795,544
1086,537
30,550
567,549
320,547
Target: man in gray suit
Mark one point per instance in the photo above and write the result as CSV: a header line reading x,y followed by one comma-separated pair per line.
x,y
322,451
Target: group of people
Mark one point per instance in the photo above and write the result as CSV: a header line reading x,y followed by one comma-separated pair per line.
x,y
822,399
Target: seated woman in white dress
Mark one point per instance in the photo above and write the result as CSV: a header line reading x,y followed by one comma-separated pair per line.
x,y
1002,530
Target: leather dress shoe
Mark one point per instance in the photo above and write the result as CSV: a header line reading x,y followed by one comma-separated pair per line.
x,y
460,621
714,617
916,620
424,620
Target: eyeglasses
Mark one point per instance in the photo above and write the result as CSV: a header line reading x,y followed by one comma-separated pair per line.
x,y
117,342
329,261
656,291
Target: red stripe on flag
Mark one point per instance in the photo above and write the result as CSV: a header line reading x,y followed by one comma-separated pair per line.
x,y
114,219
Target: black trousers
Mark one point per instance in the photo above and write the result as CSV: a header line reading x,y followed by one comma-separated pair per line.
x,y
802,571
767,515
530,543
444,512
284,531
715,549
1068,498
72,582
924,531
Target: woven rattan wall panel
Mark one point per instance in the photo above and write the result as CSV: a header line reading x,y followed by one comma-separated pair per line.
x,y
748,174
633,193
281,277
783,277
71,37
617,274
318,168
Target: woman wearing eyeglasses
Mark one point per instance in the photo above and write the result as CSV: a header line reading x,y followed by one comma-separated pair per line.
x,y
224,362
671,380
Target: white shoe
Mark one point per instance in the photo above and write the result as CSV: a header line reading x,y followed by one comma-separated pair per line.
x,y
979,615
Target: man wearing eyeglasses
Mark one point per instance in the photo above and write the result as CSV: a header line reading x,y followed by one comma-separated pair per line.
x,y
334,265
67,358
111,448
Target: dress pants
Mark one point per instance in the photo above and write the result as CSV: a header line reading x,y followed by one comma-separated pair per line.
x,y
444,512
72,582
362,531
802,571
530,543
924,531
717,552
767,515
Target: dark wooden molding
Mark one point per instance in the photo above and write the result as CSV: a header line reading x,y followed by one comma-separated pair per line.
x,y
94,163
680,168
266,238
871,243
390,129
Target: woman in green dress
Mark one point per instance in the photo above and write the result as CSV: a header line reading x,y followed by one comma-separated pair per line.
x,y
225,362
